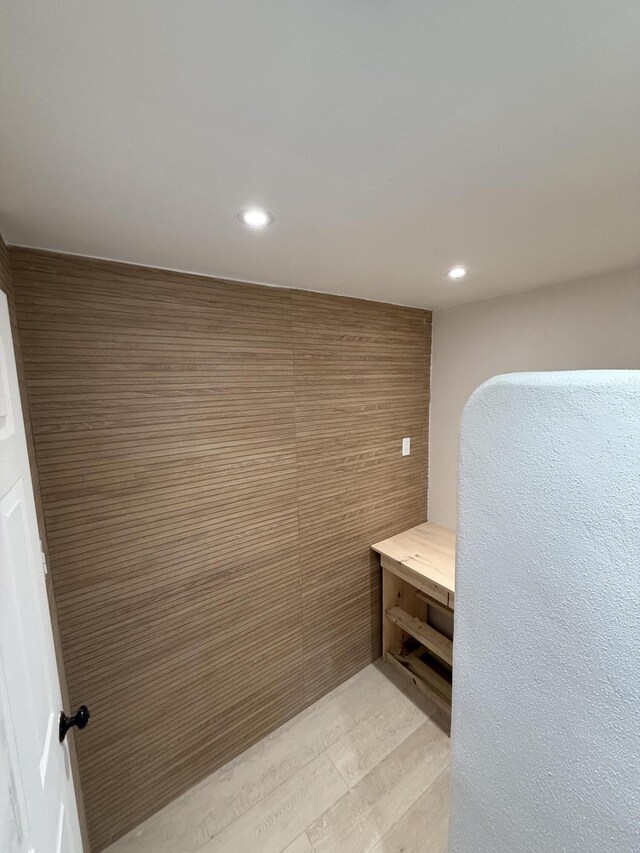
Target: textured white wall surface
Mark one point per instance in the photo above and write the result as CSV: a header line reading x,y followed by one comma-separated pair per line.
x,y
581,325
546,705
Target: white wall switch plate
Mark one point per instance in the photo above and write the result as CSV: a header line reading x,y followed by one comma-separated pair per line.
x,y
406,446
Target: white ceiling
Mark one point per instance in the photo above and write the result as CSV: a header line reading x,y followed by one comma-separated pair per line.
x,y
390,138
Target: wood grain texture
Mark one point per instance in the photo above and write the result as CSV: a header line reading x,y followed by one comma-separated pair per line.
x,y
418,575
424,633
427,551
361,384
215,460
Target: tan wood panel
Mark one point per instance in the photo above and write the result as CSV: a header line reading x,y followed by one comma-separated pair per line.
x,y
361,373
418,682
417,579
431,602
424,633
423,557
427,549
427,673
215,459
179,595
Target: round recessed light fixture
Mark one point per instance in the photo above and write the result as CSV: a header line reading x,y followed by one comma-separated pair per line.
x,y
255,217
456,273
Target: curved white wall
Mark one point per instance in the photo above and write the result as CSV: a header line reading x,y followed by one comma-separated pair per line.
x,y
591,323
546,704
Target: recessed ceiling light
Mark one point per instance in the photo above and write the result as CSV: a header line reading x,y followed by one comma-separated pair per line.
x,y
457,272
255,217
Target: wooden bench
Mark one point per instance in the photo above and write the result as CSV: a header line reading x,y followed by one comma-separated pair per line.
x,y
418,600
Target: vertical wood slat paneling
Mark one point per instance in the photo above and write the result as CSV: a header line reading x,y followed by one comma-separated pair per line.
x,y
215,460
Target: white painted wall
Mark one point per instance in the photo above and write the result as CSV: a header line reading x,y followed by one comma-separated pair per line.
x,y
591,323
546,706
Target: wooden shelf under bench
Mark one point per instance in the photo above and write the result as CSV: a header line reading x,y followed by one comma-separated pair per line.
x,y
418,599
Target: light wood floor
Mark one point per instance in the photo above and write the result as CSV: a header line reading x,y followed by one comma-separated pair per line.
x,y
366,768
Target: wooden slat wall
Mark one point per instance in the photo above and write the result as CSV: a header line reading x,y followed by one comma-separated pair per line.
x,y
361,383
215,460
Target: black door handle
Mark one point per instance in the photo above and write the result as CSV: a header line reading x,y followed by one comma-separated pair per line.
x,y
79,719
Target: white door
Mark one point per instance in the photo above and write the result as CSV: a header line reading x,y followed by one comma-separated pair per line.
x,y
38,811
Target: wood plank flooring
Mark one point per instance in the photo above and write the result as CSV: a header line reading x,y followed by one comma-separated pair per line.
x,y
365,768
